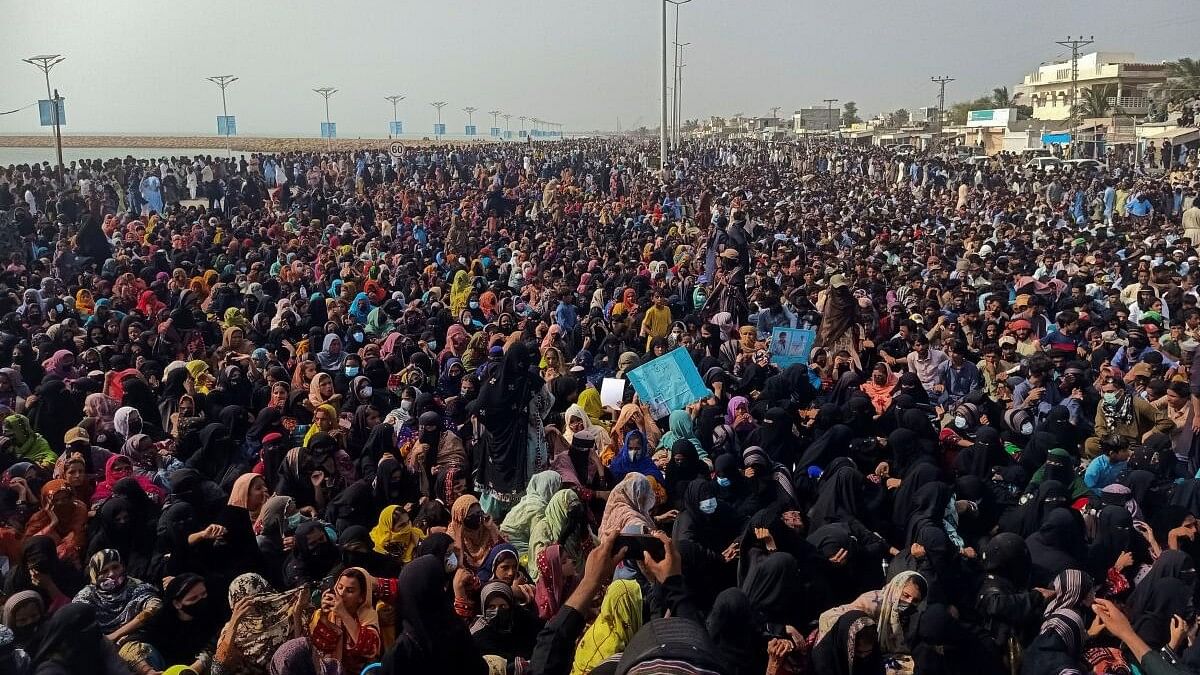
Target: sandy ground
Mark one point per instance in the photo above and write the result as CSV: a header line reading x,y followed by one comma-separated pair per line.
x,y
241,144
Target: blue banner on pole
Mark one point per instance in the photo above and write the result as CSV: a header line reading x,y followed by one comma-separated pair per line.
x,y
668,383
1060,138
46,112
469,130
523,133
790,346
508,134
494,131
226,125
395,128
328,129
439,129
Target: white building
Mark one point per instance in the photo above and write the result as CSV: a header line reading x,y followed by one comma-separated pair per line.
x,y
1048,89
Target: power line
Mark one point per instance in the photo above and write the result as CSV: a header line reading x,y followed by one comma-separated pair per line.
x,y
1075,45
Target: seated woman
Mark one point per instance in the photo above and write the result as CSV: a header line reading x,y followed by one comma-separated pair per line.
x,y
24,612
63,519
71,642
504,629
519,522
263,620
555,580
635,456
119,467
502,564
122,603
395,534
347,623
183,632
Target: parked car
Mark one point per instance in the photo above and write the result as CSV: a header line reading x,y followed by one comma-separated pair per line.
x,y
1044,163
904,148
1085,165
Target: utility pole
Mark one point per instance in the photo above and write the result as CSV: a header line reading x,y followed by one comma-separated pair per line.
x,y
521,128
495,121
224,81
829,102
1075,45
439,105
507,125
44,63
326,92
678,80
941,81
394,98
775,113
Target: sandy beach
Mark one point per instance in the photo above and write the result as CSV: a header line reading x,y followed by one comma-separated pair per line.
x,y
238,144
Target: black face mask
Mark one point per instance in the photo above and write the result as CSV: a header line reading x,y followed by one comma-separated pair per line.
x,y
499,618
473,521
198,610
25,635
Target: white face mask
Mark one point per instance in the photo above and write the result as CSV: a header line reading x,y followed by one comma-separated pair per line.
x,y
451,562
406,405
708,506
633,454
1027,428
367,391
960,422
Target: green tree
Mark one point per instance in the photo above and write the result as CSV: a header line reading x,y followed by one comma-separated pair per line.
x,y
1001,99
850,114
1183,81
1093,101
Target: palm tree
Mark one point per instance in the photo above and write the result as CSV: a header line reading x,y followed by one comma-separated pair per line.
x,y
1183,81
1093,101
1001,99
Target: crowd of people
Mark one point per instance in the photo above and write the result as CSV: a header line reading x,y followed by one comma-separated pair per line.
x,y
341,413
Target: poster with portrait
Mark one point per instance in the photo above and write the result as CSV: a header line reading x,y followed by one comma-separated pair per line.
x,y
668,383
790,346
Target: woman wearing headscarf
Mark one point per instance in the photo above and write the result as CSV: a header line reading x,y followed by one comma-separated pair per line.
x,y
683,467
63,519
1058,544
26,444
431,639
346,628
263,620
184,631
619,620
509,400
556,574
629,503
1060,466
576,419
395,535
122,603
332,357
565,524
355,505
313,555
505,629
120,467
1165,590
127,527
473,531
71,642
57,581
634,456
680,428
1058,646
519,522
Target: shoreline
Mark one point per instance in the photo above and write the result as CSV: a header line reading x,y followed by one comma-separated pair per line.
x,y
238,144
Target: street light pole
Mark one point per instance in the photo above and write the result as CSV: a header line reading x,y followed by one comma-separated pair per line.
x,y
507,125
395,99
44,63
495,120
438,105
941,81
678,108
326,92
470,110
224,81
829,116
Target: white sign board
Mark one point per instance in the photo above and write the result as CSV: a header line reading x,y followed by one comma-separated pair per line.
x,y
396,149
612,391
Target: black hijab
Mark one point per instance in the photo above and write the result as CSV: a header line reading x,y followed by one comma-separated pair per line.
x,y
430,639
838,494
1059,544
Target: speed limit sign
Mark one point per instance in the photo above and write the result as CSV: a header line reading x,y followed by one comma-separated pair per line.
x,y
396,149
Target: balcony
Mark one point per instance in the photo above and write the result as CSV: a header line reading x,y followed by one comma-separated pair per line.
x,y
1130,103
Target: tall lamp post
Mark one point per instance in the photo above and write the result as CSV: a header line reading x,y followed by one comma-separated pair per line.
x,y
677,108
44,63
438,105
326,92
662,135
507,125
395,99
495,120
470,110
224,81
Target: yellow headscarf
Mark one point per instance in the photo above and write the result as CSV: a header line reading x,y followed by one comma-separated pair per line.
x,y
460,292
197,368
315,429
589,400
620,618
399,543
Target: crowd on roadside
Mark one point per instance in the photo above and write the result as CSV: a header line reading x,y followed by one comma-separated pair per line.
x,y
338,414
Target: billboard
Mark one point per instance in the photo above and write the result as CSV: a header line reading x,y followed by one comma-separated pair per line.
x,y
997,117
439,129
469,130
226,125
328,129
395,128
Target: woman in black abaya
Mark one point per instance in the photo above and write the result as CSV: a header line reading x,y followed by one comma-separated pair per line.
x,y
503,410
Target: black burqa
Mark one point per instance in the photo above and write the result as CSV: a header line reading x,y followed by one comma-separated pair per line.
x,y
839,494
430,639
503,405
1058,544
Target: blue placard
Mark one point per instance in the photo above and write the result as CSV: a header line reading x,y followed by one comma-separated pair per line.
x,y
494,131
439,129
328,129
790,346
395,128
46,112
668,383
523,133
469,130
1060,138
226,125
508,134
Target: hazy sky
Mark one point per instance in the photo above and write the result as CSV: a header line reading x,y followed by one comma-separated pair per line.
x,y
135,66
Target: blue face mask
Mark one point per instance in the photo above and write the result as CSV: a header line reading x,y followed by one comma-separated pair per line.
x,y
723,481
358,337
432,345
351,371
451,562
708,506
473,304
295,520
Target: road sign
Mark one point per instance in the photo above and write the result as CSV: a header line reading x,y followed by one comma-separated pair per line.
x,y
46,112
494,131
439,129
328,129
396,128
469,130
226,125
396,149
